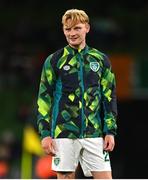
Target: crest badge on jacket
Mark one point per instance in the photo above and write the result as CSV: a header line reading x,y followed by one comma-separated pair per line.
x,y
94,66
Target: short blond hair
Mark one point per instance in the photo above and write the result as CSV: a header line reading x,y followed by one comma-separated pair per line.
x,y
75,15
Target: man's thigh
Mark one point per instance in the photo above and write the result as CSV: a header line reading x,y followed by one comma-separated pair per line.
x,y
67,155
102,175
93,158
65,175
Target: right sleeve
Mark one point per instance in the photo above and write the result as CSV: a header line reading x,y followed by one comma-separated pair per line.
x,y
45,98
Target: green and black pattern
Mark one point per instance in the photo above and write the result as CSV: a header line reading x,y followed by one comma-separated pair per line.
x,y
77,97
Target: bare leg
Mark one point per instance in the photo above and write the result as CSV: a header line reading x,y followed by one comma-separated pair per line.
x,y
65,175
102,175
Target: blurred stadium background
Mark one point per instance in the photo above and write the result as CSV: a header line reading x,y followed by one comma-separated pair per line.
x,y
29,32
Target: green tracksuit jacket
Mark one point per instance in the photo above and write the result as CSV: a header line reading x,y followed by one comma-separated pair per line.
x,y
77,97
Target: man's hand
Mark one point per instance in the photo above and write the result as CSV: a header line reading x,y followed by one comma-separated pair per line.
x,y
48,146
109,143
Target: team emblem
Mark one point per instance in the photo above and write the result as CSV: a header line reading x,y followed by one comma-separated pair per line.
x,y
66,67
56,161
94,66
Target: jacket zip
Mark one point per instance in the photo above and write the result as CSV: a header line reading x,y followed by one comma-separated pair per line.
x,y
82,100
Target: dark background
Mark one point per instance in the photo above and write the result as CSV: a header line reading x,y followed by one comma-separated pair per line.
x,y
31,30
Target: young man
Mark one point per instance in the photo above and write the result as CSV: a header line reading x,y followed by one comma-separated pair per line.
x,y
77,104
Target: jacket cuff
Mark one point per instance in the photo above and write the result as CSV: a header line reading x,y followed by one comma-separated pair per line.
x,y
45,133
110,132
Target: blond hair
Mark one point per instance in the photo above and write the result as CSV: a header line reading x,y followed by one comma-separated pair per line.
x,y
75,15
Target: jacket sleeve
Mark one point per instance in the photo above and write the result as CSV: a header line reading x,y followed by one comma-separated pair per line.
x,y
45,99
109,98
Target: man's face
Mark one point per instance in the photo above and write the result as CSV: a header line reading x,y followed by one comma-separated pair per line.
x,y
76,34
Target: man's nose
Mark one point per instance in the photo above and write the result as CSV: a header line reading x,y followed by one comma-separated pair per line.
x,y
72,32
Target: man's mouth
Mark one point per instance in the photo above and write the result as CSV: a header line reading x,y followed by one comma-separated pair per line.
x,y
73,39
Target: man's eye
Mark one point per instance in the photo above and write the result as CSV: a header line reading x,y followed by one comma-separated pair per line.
x,y
77,28
67,29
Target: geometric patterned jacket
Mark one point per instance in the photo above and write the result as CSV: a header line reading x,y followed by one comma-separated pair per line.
x,y
77,95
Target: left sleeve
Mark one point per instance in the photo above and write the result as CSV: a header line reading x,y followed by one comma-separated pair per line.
x,y
109,98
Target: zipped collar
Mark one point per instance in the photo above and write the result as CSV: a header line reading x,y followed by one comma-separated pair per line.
x,y
74,51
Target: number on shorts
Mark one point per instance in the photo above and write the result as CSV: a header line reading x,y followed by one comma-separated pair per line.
x,y
106,156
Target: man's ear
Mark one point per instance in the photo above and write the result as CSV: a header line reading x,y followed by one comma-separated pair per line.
x,y
88,27
63,30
